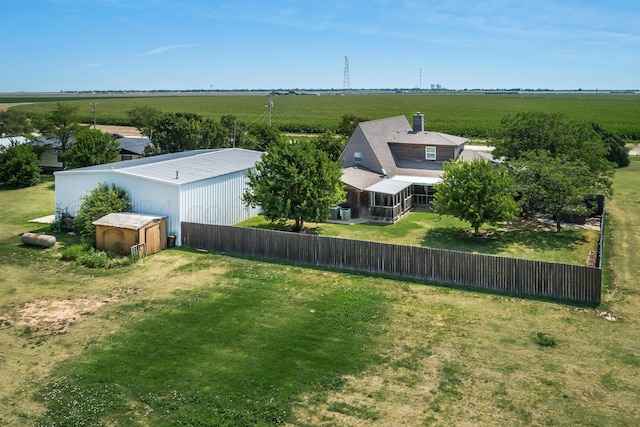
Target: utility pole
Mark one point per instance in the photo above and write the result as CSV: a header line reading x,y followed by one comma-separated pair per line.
x,y
270,107
93,110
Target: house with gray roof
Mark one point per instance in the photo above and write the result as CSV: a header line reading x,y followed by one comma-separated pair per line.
x,y
132,147
390,167
201,186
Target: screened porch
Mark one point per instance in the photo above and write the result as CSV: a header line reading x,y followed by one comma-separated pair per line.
x,y
389,200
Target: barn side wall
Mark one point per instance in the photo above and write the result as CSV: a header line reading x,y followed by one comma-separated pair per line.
x,y
216,201
147,196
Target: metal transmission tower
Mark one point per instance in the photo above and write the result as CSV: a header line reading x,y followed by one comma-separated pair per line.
x,y
346,85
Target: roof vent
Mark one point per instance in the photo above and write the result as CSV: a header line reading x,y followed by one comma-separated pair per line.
x,y
176,174
418,122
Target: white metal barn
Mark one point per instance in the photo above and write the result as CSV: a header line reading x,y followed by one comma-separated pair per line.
x,y
201,186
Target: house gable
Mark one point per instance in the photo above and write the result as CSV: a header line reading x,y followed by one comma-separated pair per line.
x,y
392,147
358,152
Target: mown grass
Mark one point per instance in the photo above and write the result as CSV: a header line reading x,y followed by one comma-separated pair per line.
x,y
518,239
231,355
471,115
190,338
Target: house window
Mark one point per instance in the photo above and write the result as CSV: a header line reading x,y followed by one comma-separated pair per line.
x,y
127,157
430,153
357,156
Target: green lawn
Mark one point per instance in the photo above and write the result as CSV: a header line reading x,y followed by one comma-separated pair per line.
x,y
191,338
520,239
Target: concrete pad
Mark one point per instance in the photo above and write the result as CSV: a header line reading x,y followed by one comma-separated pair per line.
x,y
45,219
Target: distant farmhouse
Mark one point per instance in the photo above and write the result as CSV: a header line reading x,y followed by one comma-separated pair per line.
x,y
390,167
130,148
202,186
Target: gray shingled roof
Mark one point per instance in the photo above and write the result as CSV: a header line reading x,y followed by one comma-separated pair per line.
x,y
359,177
190,166
133,144
470,155
397,130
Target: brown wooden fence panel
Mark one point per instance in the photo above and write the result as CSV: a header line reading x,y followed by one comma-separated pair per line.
x,y
499,274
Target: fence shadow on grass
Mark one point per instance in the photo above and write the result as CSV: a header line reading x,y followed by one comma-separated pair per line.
x,y
500,274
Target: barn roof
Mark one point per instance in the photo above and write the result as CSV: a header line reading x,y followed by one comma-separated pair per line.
x,y
133,221
181,168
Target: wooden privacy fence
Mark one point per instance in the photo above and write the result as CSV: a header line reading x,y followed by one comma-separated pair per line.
x,y
499,274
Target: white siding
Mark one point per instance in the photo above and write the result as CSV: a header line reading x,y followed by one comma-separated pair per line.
x,y
216,200
49,160
147,196
212,201
71,187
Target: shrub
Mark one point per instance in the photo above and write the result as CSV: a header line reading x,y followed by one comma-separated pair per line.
x,y
20,166
544,340
62,221
73,252
95,259
102,200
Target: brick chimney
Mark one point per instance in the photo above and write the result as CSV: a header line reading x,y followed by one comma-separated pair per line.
x,y
418,122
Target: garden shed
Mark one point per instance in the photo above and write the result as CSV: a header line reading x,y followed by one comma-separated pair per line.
x,y
119,232
200,186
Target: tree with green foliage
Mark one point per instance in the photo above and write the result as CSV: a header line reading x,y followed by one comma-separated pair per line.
x,y
237,132
348,123
617,150
145,119
331,144
14,123
554,185
295,181
103,200
477,192
559,136
60,125
263,136
92,147
186,131
19,166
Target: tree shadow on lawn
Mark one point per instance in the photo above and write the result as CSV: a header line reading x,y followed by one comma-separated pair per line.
x,y
240,355
534,237
288,227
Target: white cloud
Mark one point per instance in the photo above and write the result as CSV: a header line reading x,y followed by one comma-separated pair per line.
x,y
163,49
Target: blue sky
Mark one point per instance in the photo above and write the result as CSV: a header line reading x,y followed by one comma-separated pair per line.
x,y
54,45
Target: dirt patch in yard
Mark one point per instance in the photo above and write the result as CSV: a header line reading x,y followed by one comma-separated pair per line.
x,y
42,318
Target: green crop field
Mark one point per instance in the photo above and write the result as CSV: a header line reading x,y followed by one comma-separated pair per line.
x,y
470,115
